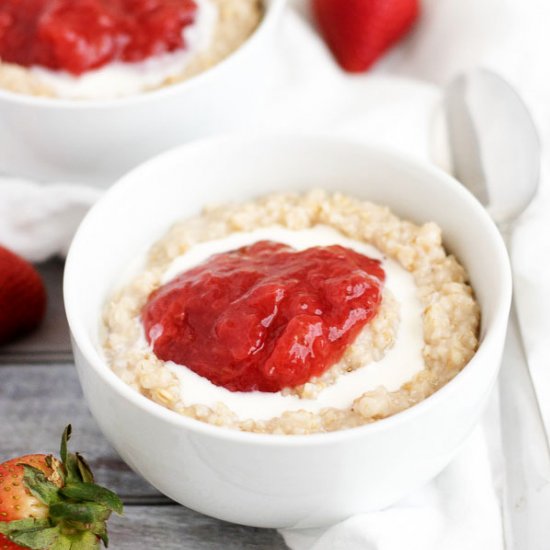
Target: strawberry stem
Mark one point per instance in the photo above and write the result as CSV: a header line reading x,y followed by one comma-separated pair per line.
x,y
78,509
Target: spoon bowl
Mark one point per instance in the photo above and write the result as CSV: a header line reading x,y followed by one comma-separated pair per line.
x,y
495,147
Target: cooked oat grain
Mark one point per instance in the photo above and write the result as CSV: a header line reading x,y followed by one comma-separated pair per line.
x,y
450,319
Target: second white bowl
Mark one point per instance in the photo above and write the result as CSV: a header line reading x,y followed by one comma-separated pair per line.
x,y
96,141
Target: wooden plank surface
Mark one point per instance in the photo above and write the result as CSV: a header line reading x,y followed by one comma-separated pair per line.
x,y
175,528
40,394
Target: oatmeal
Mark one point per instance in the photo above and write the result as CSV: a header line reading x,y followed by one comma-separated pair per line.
x,y
209,31
423,333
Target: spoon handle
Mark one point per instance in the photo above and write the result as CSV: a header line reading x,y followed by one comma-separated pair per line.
x,y
526,491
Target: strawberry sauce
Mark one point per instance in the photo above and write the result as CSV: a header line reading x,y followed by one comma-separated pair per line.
x,y
264,317
80,35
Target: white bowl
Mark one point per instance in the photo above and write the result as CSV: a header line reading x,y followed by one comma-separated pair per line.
x,y
49,139
274,480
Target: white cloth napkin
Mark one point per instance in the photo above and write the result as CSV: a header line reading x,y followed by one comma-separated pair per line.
x,y
530,251
39,221
456,511
460,508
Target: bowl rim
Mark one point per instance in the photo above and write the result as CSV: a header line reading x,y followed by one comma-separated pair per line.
x,y
272,9
83,342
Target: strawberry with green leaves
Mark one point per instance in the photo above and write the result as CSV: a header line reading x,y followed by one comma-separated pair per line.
x,y
51,504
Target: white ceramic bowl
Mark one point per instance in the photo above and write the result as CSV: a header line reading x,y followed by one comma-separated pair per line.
x,y
73,140
270,480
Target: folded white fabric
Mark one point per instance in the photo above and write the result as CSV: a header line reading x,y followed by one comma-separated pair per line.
x,y
457,510
39,221
530,240
530,252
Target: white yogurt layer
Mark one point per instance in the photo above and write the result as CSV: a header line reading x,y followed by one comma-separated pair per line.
x,y
399,364
120,79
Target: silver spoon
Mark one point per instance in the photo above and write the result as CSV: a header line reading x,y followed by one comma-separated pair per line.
x,y
496,153
494,144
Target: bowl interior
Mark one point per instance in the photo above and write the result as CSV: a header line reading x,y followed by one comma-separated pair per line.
x,y
139,209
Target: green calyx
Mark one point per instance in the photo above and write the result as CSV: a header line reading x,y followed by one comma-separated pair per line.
x,y
78,508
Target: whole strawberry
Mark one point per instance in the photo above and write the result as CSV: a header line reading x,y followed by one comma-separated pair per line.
x,y
51,504
22,296
359,31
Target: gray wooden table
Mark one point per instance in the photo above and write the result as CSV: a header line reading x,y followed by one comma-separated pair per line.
x,y
40,394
